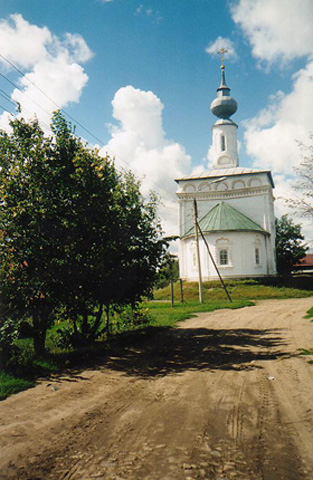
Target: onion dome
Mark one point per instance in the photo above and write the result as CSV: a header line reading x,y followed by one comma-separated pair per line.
x,y
224,105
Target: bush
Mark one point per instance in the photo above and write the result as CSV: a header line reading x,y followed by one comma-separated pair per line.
x,y
26,330
9,332
129,318
67,337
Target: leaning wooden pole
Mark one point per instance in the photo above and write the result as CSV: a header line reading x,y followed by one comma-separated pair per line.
x,y
181,291
195,215
172,293
214,263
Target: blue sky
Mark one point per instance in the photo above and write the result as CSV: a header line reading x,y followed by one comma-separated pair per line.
x,y
150,59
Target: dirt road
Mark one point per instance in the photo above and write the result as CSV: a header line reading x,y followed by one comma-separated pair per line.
x,y
224,396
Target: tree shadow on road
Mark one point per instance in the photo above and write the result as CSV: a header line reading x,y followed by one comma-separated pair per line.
x,y
171,351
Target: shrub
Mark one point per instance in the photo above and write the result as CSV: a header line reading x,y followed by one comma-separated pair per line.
x,y
9,332
129,318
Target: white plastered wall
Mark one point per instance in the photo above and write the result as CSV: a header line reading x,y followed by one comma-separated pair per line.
x,y
251,195
227,156
241,253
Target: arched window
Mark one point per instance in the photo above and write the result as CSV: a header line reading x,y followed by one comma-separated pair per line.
x,y
257,251
223,143
223,256
223,252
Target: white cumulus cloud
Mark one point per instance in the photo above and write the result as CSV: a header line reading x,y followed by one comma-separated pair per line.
x,y
277,30
140,141
222,42
272,136
51,63
22,43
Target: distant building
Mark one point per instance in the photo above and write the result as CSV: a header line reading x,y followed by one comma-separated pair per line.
x,y
235,207
306,263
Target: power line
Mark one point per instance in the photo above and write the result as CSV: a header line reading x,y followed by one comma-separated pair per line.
x,y
7,97
27,96
4,109
20,72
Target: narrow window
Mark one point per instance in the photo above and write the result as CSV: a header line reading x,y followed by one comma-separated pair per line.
x,y
223,254
257,256
223,143
194,259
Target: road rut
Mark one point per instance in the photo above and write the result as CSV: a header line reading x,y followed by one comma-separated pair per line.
x,y
225,395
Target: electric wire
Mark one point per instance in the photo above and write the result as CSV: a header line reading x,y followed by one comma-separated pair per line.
x,y
27,96
16,103
7,97
20,72
4,109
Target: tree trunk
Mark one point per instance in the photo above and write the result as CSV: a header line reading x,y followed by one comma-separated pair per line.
x,y
107,314
39,335
39,344
97,320
85,324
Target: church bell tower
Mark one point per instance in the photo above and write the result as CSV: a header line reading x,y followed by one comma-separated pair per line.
x,y
224,130
235,207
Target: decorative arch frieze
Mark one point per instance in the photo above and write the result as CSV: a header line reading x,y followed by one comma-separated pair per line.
x,y
222,186
189,187
254,182
204,186
238,184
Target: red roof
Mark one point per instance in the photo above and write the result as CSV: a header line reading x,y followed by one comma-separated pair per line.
x,y
306,261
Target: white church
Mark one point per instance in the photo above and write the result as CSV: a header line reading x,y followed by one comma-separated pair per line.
x,y
235,208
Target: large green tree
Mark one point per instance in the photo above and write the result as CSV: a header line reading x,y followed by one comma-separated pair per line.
x,y
76,234
168,271
290,247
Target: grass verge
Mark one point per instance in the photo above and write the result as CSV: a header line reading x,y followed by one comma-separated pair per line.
x,y
10,384
238,289
309,314
164,315
161,315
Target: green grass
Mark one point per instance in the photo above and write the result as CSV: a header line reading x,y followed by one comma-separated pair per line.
x,y
309,314
164,315
10,384
305,351
238,290
243,293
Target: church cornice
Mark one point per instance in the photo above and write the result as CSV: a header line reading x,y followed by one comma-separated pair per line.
x,y
229,172
215,195
225,232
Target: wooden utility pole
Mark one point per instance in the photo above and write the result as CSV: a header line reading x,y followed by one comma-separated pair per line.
x,y
214,263
181,291
195,214
172,293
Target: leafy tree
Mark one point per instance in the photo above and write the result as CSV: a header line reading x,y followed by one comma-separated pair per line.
x,y
9,332
289,245
76,235
303,202
168,271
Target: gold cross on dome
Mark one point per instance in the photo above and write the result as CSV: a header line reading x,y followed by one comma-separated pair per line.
x,y
221,52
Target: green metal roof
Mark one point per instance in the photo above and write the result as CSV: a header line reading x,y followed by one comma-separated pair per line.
x,y
223,218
